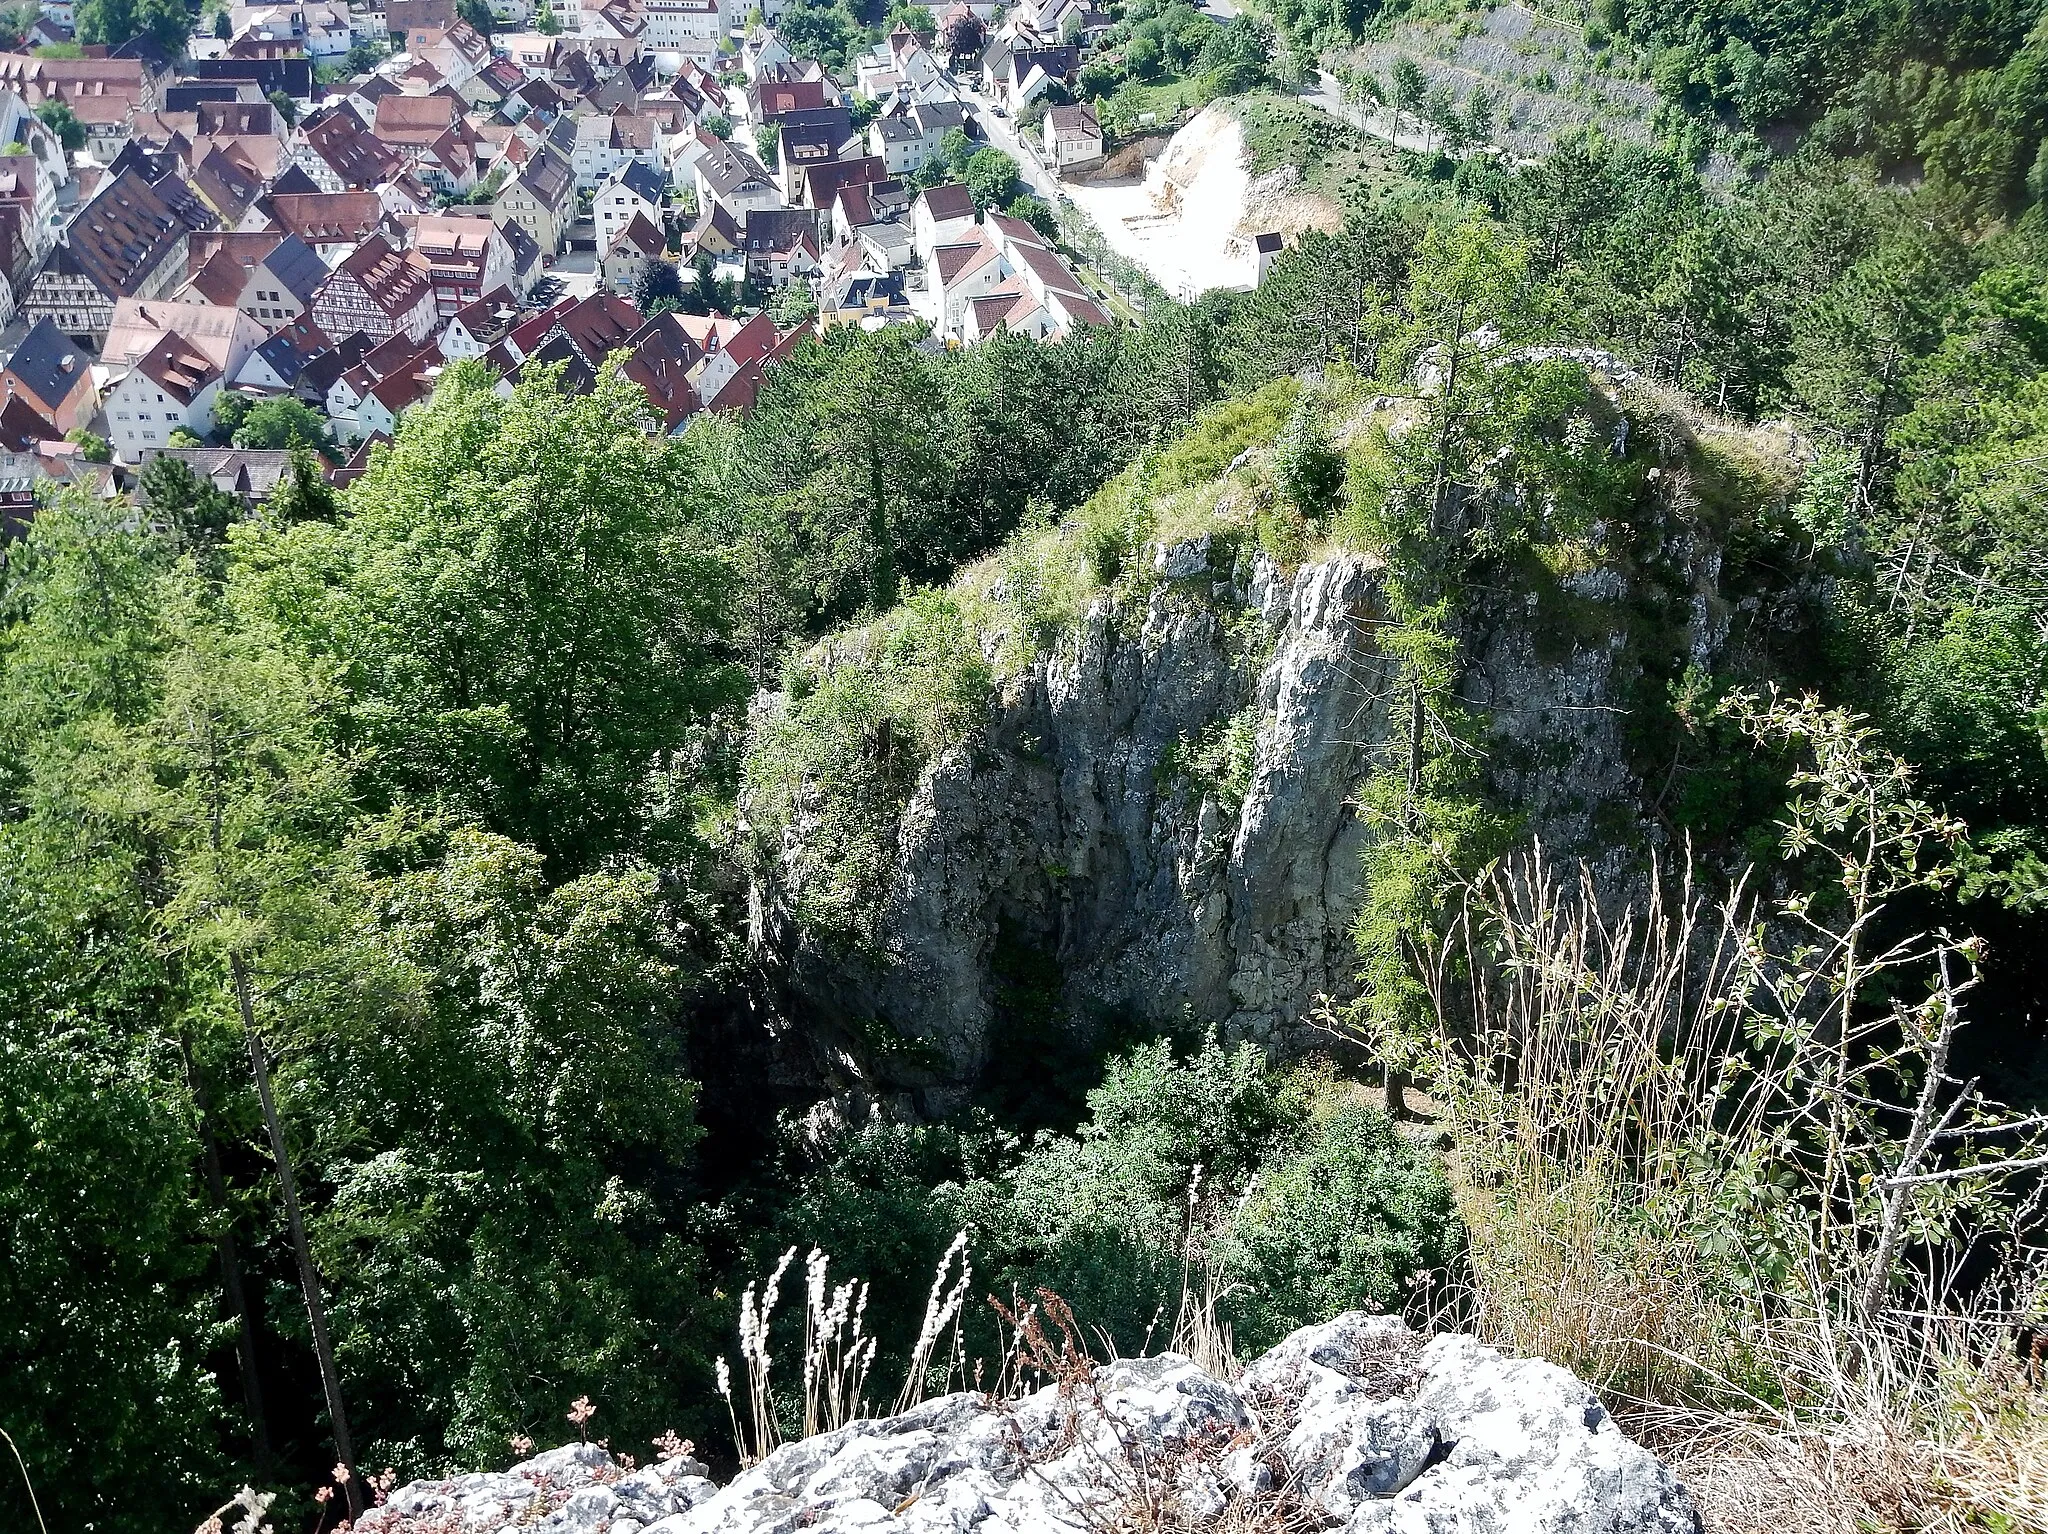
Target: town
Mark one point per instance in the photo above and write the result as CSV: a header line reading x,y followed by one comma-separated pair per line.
x,y
276,240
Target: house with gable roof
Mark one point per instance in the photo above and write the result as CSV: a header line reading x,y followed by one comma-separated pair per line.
x,y
224,335
940,214
249,474
907,139
172,385
1000,273
128,242
55,378
467,259
336,148
1073,137
473,331
634,192
541,199
717,234
457,52
432,138
282,364
380,291
734,180
269,277
626,258
781,245
663,354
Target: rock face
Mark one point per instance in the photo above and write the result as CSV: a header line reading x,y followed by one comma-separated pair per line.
x,y
1358,1425
1078,861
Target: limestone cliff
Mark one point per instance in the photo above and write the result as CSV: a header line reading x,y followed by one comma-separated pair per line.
x,y
1156,821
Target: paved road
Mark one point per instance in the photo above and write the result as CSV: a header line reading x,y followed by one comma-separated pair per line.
x,y
1329,95
1002,133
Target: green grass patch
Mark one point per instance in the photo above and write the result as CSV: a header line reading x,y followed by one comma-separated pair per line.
x,y
1335,159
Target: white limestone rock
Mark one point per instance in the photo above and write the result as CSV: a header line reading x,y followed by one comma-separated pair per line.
x,y
1376,1428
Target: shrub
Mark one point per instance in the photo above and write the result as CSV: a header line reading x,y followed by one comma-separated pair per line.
x,y
1347,1224
869,711
1310,472
1288,1202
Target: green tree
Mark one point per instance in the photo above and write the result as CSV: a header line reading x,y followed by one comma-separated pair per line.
x,y
545,1179
1036,212
57,116
287,108
955,150
916,19
845,440
103,1240
1309,471
282,422
991,176
302,493
527,614
660,283
166,23
248,804
1407,86
190,508
230,409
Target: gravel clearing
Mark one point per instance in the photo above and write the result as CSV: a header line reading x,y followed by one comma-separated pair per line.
x,y
1182,222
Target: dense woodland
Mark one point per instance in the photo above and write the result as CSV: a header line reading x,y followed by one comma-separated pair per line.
x,y
422,798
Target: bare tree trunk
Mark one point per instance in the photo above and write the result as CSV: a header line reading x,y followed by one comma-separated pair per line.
x,y
1898,1197
230,1262
309,1280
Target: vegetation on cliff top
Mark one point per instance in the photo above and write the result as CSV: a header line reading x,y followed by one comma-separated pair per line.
x,y
439,787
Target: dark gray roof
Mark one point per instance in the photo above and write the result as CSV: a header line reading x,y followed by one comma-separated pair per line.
x,y
548,176
296,267
39,362
123,235
773,229
249,472
283,358
940,115
293,178
525,250
645,180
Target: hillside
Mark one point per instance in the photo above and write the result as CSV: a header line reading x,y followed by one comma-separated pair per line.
x,y
1130,751
1496,780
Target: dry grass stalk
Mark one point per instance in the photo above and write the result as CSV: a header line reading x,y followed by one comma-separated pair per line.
x,y
1701,1166
837,1351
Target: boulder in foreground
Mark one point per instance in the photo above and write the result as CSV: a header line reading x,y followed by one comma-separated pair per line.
x,y
1359,1424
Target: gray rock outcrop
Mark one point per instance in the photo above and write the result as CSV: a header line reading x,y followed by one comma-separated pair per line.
x,y
1076,833
1359,1425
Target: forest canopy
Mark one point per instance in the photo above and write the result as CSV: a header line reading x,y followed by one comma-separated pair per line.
x,y
394,835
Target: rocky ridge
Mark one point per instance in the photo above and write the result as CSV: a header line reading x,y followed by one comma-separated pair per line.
x,y
1359,1424
1073,827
